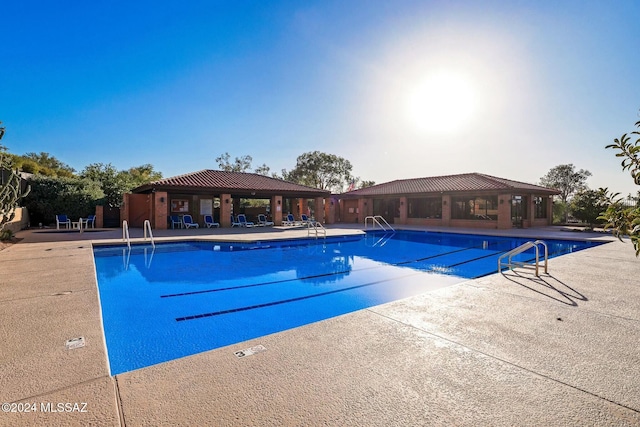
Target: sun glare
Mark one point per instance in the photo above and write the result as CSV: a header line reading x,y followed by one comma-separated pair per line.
x,y
442,103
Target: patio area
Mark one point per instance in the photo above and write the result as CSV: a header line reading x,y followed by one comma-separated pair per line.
x,y
505,349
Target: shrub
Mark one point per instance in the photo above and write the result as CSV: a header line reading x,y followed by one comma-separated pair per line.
x,y
75,197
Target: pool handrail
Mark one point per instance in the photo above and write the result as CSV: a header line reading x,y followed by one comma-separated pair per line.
x,y
125,233
317,227
525,246
147,227
375,219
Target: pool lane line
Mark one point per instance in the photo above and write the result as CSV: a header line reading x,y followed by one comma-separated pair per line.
x,y
269,304
286,301
273,282
476,259
316,276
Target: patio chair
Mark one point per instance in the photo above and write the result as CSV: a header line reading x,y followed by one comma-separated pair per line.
x,y
305,219
289,221
235,223
91,219
188,222
242,219
62,219
209,222
175,220
262,220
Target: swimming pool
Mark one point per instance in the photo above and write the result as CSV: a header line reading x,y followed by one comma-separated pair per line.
x,y
183,298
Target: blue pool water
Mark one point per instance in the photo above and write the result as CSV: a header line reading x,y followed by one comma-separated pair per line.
x,y
184,298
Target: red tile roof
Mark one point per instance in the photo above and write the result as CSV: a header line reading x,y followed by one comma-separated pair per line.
x,y
230,182
449,184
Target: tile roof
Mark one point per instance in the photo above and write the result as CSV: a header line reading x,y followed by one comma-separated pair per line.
x,y
232,182
448,184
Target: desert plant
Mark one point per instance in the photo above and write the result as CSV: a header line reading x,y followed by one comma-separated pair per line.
x,y
6,235
10,187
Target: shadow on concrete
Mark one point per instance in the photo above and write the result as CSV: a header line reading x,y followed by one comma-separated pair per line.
x,y
545,283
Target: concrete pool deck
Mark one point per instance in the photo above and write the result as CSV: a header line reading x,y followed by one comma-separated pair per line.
x,y
505,349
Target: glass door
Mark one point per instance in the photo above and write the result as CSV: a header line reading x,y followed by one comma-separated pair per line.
x,y
387,208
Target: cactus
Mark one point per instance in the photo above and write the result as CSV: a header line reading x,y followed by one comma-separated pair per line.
x,y
10,188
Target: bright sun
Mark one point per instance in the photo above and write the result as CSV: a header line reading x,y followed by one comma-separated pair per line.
x,y
442,103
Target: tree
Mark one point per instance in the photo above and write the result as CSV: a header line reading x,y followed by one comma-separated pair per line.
x,y
567,180
75,197
321,170
365,184
588,205
10,190
115,183
262,170
621,219
241,164
112,183
140,175
48,165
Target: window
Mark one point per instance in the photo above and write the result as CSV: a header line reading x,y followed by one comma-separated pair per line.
x,y
430,207
478,208
540,206
180,206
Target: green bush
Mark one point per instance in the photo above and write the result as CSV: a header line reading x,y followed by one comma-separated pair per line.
x,y
559,211
75,197
587,205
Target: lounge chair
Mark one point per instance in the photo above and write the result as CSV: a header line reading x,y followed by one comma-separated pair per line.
x,y
262,220
243,221
305,219
91,219
209,222
62,219
235,223
290,220
175,220
188,222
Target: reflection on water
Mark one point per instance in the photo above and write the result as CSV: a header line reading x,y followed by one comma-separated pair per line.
x,y
184,298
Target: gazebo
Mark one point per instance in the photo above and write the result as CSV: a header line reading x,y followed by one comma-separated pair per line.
x,y
220,194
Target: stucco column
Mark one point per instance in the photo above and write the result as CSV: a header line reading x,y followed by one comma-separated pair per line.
x,y
99,216
531,209
504,211
161,210
302,208
225,210
330,206
319,211
124,209
362,210
404,208
446,210
276,210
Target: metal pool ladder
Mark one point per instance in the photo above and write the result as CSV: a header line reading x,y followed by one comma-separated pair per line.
x,y
317,227
378,219
147,227
125,233
513,264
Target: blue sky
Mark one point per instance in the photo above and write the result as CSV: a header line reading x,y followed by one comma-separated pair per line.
x,y
541,83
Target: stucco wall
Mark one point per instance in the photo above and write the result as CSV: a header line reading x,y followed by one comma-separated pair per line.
x,y
19,222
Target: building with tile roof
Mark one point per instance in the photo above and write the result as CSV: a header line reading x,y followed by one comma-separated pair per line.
x,y
220,194
464,200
